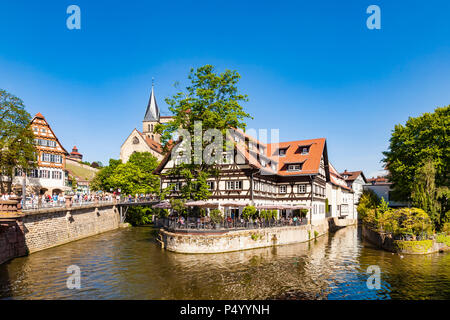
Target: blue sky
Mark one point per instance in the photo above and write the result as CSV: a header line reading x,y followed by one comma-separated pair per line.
x,y
311,68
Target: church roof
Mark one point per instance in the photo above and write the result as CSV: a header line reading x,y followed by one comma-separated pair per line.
x,y
152,113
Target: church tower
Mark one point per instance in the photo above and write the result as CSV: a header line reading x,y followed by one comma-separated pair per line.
x,y
151,118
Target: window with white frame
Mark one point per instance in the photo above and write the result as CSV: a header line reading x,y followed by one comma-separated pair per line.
x,y
44,174
55,158
176,186
210,185
283,189
233,185
57,175
295,167
301,188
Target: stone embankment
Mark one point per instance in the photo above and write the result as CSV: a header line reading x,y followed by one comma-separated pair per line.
x,y
386,242
22,233
247,239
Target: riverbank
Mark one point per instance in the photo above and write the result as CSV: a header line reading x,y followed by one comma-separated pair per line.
x,y
386,242
236,240
23,233
129,264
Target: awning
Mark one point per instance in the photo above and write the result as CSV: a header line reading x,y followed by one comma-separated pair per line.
x,y
270,206
202,203
295,207
281,207
234,204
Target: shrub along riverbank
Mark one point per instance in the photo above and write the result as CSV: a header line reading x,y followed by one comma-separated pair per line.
x,y
406,230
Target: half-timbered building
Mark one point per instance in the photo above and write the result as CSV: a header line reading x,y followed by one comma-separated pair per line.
x,y
49,176
294,173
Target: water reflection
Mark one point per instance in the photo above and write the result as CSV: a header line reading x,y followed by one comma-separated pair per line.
x,y
129,264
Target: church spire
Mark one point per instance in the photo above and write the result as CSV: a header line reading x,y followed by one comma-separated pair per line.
x,y
152,113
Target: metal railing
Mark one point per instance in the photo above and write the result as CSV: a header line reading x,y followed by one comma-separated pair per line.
x,y
62,204
194,224
43,204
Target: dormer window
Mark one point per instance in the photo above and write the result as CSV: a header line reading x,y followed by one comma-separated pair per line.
x,y
282,152
305,150
295,167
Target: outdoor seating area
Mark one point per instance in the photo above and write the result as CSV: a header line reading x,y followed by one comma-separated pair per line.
x,y
191,223
232,216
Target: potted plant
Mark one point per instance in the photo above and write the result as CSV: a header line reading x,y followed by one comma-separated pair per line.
x,y
216,217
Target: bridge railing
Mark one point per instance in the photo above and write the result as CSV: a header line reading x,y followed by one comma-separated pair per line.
x,y
63,204
75,202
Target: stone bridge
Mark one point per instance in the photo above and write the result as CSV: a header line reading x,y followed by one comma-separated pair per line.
x,y
27,231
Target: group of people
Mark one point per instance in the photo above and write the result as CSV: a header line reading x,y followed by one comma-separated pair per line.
x,y
141,197
230,221
7,196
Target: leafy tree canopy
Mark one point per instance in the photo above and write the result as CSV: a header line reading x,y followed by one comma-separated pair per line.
x,y
135,176
16,138
214,100
418,160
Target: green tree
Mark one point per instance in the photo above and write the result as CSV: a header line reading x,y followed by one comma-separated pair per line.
x,y
74,184
424,193
135,176
214,100
368,203
101,180
248,212
17,148
418,150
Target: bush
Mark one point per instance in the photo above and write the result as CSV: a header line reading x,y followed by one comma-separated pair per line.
x,y
400,222
446,228
368,201
274,214
248,212
216,216
178,206
138,216
303,213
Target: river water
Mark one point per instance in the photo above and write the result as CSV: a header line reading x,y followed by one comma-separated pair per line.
x,y
129,264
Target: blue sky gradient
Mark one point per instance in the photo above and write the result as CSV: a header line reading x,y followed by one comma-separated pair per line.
x,y
311,68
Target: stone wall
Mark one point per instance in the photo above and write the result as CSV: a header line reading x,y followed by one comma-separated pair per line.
x,y
12,240
52,227
244,239
386,242
25,233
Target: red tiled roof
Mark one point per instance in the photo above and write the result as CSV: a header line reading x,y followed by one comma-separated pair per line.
x,y
337,179
151,143
352,175
378,180
39,115
311,160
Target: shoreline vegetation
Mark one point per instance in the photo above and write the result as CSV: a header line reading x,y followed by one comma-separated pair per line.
x,y
417,163
401,230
